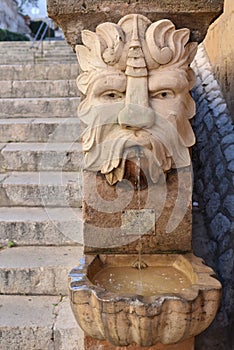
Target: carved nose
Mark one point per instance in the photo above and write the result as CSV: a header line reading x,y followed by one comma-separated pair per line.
x,y
136,116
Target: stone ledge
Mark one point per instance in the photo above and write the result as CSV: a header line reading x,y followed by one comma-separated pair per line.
x,y
49,71
41,226
37,270
63,107
38,322
42,156
38,88
31,189
39,130
74,16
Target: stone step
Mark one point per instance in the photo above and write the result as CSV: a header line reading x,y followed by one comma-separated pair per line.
x,y
45,47
34,189
38,88
10,59
46,61
46,50
40,130
39,107
46,43
41,157
37,270
56,57
38,322
13,48
18,54
60,49
40,226
30,59
39,72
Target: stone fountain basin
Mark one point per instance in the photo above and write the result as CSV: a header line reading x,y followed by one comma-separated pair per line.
x,y
124,318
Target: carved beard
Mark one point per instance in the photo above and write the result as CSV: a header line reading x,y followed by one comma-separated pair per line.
x,y
108,146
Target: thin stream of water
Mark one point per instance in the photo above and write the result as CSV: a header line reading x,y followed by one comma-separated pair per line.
x,y
139,245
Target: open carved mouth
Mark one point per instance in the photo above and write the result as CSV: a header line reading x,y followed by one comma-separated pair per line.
x,y
136,167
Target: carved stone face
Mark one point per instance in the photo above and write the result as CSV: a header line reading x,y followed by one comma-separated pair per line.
x,y
136,83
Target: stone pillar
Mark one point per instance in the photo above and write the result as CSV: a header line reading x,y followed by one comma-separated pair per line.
x,y
220,49
137,168
136,81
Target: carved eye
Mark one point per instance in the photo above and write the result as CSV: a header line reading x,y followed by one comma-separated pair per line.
x,y
112,95
163,94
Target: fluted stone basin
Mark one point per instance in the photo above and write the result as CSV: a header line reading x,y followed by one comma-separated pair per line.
x,y
181,304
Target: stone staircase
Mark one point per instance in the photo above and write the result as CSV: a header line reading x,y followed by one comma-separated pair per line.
x,y
40,196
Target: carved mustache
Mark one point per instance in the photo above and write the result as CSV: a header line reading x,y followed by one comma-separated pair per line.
x,y
106,144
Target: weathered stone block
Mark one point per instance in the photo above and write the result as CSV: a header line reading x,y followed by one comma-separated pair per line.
x,y
41,107
37,72
39,130
37,270
56,189
165,210
40,226
27,322
41,157
73,17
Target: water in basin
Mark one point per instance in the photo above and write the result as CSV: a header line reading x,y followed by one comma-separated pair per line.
x,y
146,282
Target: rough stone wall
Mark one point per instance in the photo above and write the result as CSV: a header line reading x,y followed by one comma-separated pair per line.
x,y
213,160
219,44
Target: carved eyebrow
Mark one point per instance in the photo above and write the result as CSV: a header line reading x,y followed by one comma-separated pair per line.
x,y
167,80
105,82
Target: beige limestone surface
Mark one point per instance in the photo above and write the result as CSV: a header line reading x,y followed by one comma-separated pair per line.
x,y
136,80
36,270
93,344
219,45
118,220
126,318
74,16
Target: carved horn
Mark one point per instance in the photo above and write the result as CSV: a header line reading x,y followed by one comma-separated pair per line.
x,y
155,38
89,54
113,37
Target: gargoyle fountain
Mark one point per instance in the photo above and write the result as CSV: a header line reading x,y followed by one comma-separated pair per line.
x,y
139,282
